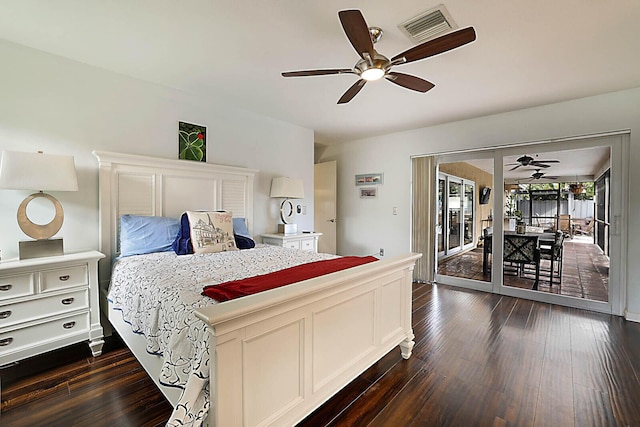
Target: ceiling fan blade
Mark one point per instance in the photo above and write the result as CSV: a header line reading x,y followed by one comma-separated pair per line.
x,y
352,91
438,45
410,82
317,72
539,165
538,162
512,169
357,31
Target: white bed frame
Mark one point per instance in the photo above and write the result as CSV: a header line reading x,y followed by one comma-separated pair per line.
x,y
279,354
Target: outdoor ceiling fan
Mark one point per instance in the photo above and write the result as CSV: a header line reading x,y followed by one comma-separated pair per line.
x,y
530,161
541,175
374,66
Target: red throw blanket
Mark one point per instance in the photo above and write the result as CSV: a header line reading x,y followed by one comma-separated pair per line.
x,y
251,285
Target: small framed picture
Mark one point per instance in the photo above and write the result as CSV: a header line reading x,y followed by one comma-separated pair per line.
x,y
369,179
192,142
368,192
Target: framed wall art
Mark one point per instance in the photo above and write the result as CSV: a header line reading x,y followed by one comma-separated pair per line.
x,y
369,179
368,192
192,142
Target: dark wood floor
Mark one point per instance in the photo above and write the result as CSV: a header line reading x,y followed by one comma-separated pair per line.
x,y
585,271
480,360
69,387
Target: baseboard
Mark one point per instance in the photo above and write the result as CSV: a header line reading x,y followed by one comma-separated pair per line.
x,y
632,317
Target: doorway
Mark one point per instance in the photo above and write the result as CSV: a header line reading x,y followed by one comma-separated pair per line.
x,y
456,214
324,202
600,160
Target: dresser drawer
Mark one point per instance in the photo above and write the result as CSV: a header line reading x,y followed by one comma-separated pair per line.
x,y
17,285
44,332
63,278
294,244
307,245
12,314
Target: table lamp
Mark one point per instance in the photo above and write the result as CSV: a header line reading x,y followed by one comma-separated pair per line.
x,y
38,171
287,188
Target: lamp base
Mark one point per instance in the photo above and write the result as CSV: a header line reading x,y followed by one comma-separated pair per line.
x,y
40,248
287,228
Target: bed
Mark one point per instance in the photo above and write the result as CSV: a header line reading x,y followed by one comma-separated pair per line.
x,y
273,357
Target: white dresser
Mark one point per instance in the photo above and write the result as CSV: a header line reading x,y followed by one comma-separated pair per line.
x,y
48,303
304,241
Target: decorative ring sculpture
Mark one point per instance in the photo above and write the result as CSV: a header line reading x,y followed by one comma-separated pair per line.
x,y
287,212
37,231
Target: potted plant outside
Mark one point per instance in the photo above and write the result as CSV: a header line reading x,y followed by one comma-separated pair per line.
x,y
521,227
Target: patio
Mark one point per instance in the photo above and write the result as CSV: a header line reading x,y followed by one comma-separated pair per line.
x,y
585,270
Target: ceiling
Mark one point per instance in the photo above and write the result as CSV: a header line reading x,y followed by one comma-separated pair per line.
x,y
233,51
571,166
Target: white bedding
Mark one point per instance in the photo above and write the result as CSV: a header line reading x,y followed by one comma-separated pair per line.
x,y
157,294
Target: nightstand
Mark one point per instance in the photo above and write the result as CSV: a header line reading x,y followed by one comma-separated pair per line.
x,y
304,241
47,303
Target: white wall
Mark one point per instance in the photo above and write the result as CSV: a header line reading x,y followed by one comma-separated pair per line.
x,y
60,106
366,225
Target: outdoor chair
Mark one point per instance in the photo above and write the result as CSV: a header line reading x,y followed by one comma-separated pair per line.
x,y
522,250
486,248
588,229
564,224
553,253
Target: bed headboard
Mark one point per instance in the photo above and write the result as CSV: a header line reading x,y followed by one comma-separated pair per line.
x,y
142,185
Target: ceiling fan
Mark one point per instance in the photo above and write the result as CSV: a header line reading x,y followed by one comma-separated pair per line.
x,y
374,66
541,175
530,161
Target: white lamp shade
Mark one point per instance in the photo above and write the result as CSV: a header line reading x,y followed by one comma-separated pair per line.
x,y
37,171
288,188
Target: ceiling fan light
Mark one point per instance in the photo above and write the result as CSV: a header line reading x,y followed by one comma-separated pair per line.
x,y
372,74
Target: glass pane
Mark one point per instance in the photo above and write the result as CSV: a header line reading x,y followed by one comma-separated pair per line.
x,y
440,225
550,214
469,201
464,191
455,204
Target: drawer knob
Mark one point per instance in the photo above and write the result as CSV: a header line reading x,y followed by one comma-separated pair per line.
x,y
67,301
5,314
69,325
64,278
6,287
5,341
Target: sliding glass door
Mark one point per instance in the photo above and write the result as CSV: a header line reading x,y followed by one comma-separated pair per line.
x,y
553,230
456,215
468,212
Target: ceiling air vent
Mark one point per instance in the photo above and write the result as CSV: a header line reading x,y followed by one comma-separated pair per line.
x,y
428,25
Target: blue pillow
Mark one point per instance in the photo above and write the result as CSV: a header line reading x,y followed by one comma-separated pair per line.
x,y
146,234
240,227
244,242
182,243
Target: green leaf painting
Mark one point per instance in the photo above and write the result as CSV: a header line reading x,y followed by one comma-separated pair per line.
x,y
192,142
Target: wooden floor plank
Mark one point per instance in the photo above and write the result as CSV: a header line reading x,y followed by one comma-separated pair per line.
x,y
480,359
376,397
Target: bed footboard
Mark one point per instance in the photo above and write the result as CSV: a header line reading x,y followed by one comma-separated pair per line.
x,y
278,355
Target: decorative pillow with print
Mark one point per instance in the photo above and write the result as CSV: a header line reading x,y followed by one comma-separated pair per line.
x,y
211,231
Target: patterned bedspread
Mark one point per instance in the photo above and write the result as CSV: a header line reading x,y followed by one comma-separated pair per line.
x,y
157,295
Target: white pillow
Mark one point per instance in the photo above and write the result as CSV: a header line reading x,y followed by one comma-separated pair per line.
x,y
211,231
